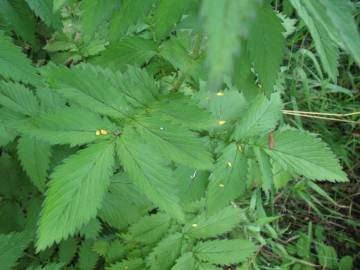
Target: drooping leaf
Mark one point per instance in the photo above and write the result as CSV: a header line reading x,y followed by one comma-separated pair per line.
x,y
305,154
267,181
87,256
225,252
34,156
324,45
232,16
75,193
266,46
67,250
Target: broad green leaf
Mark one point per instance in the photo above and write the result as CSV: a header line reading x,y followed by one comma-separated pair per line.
x,y
134,51
67,250
265,169
131,264
260,117
87,257
324,45
166,14
94,14
165,253
304,154
346,263
192,183
44,9
92,229
205,226
123,203
341,14
151,176
14,64
49,266
34,156
18,98
75,193
149,229
266,45
130,12
11,248
18,17
185,262
225,22
225,252
103,91
174,142
58,4
183,110
228,179
68,126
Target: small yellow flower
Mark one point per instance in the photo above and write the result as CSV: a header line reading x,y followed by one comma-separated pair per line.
x,y
194,225
221,185
104,132
220,94
98,133
229,164
221,122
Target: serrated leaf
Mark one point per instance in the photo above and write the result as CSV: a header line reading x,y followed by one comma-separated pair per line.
x,y
92,229
149,229
324,45
165,253
305,154
49,266
225,252
44,9
103,91
34,156
151,176
173,141
265,169
87,256
68,126
185,262
166,14
134,51
11,248
205,226
67,250
228,179
131,11
18,98
94,14
183,110
192,184
261,116
131,264
340,13
266,46
14,64
233,16
75,193
18,17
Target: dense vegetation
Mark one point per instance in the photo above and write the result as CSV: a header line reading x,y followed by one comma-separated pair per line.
x,y
167,134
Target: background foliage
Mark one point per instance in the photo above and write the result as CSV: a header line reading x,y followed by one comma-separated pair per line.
x,y
163,134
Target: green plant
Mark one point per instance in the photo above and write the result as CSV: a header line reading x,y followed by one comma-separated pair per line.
x,y
150,134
